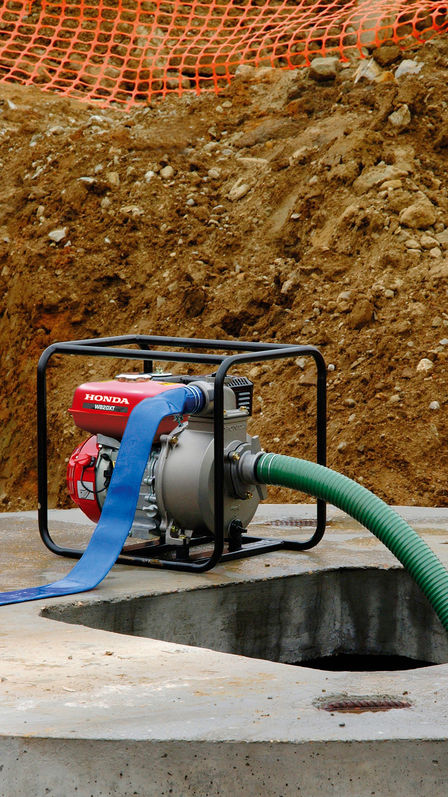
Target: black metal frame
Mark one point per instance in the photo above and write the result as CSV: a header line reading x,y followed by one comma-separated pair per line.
x,y
246,351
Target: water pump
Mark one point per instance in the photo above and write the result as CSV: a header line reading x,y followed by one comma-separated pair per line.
x,y
169,462
176,494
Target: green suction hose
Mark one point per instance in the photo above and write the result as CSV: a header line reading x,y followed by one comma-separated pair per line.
x,y
413,552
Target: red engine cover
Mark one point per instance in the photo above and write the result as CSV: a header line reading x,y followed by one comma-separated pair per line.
x,y
81,478
104,407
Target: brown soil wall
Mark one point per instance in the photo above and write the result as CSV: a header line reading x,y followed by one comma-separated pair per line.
x,y
288,208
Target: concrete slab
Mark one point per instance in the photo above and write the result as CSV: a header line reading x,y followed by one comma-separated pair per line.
x,y
88,711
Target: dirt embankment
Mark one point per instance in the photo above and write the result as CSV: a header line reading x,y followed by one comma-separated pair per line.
x,y
288,208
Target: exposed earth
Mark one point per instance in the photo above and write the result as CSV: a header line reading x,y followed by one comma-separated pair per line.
x,y
292,207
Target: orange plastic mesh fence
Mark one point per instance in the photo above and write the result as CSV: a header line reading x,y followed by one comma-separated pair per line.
x,y
128,51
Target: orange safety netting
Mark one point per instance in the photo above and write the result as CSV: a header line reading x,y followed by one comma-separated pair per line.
x,y
132,50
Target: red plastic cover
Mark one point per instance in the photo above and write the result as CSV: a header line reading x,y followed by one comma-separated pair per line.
x,y
104,407
81,478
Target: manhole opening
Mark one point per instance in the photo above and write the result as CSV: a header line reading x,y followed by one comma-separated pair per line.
x,y
353,662
349,619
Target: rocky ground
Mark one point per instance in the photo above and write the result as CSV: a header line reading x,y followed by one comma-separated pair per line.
x,y
307,206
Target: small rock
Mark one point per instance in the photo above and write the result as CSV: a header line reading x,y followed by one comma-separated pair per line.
x,y
425,365
403,326
113,178
255,371
131,210
301,154
214,173
407,373
244,71
417,309
349,402
376,176
394,399
439,271
308,378
436,322
149,175
412,243
389,294
442,238
40,211
386,54
288,285
331,367
435,252
368,70
392,185
408,67
434,405
266,130
419,215
238,190
58,235
194,300
301,362
95,119
362,314
167,173
443,342
190,202
105,203
323,69
428,242
343,296
401,118
55,130
343,445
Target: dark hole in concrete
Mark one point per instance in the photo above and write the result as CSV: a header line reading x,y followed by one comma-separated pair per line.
x,y
352,662
296,619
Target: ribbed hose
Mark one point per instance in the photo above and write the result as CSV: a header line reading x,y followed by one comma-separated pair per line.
x,y
413,552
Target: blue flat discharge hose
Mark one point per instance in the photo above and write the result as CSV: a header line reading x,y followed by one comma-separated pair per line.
x,y
119,507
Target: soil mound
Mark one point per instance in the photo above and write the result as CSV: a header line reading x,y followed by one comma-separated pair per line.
x,y
306,206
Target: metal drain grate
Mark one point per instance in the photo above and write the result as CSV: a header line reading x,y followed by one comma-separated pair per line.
x,y
355,704
291,522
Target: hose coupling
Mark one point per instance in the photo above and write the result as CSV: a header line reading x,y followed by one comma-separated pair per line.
x,y
247,466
